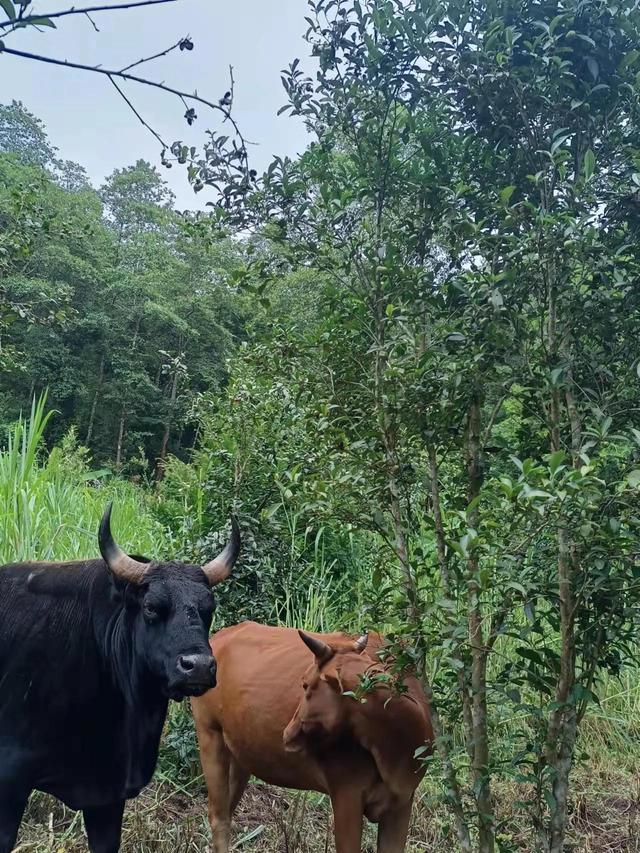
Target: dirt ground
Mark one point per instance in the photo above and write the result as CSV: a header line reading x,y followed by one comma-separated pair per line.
x,y
605,817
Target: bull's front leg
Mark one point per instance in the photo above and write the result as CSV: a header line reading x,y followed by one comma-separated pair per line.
x,y
12,806
348,813
104,827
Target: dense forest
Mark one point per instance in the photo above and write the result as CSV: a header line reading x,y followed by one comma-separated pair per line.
x,y
119,307
407,359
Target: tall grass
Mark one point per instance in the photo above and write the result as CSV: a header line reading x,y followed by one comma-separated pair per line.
x,y
314,597
50,505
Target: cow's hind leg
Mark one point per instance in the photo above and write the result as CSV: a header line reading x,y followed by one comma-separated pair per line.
x,y
216,766
393,829
12,806
104,827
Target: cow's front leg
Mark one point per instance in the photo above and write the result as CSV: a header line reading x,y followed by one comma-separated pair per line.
x,y
12,805
347,818
394,828
104,826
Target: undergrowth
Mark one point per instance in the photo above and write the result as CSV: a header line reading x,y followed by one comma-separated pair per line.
x,y
50,506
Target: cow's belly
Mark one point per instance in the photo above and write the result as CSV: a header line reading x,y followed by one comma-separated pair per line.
x,y
284,769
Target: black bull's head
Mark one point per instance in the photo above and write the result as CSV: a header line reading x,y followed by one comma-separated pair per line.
x,y
168,608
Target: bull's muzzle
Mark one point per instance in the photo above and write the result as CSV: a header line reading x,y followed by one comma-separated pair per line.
x,y
195,674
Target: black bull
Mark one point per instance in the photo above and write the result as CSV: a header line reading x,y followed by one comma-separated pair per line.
x,y
90,654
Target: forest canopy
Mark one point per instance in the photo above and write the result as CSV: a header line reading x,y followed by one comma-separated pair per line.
x,y
116,304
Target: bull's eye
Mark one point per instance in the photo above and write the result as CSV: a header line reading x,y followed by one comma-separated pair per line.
x,y
151,612
305,686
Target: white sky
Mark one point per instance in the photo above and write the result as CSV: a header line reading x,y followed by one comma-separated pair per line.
x,y
89,123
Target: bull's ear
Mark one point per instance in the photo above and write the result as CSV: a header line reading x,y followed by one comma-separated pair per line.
x,y
319,648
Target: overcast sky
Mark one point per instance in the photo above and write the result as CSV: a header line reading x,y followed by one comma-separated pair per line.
x,y
89,123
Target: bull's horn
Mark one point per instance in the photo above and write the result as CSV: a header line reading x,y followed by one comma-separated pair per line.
x,y
219,569
122,566
361,643
321,650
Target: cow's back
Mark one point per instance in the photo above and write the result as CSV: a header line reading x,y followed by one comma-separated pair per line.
x,y
260,669
259,674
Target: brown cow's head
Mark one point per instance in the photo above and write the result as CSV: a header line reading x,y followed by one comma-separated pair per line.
x,y
323,713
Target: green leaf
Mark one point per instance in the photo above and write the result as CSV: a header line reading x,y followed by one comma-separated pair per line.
x,y
9,8
633,478
42,22
505,194
555,460
558,141
272,510
594,68
629,59
589,164
636,178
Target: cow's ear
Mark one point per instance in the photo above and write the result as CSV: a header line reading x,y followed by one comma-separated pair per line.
x,y
293,736
334,681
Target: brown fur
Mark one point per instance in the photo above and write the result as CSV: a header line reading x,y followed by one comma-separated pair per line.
x,y
260,720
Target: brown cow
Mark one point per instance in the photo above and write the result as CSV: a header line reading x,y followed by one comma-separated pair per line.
x,y
280,714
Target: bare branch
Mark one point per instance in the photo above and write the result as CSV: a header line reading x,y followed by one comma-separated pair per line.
x,y
27,19
151,58
110,74
138,116
92,22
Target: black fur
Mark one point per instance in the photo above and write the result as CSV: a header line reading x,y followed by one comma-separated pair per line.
x,y
87,667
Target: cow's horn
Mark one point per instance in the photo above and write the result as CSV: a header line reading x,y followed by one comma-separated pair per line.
x,y
361,643
122,566
219,569
321,650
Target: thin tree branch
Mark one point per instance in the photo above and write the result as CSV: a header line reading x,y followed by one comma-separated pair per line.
x,y
110,74
155,56
92,22
73,11
138,116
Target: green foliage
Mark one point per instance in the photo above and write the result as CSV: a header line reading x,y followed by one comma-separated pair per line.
x,y
464,394
50,506
123,314
24,134
414,375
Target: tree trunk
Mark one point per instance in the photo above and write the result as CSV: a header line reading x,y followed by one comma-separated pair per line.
x,y
562,728
123,411
445,576
167,431
479,717
123,417
94,404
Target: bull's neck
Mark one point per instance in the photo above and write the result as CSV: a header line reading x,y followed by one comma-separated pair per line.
x,y
115,637
144,705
